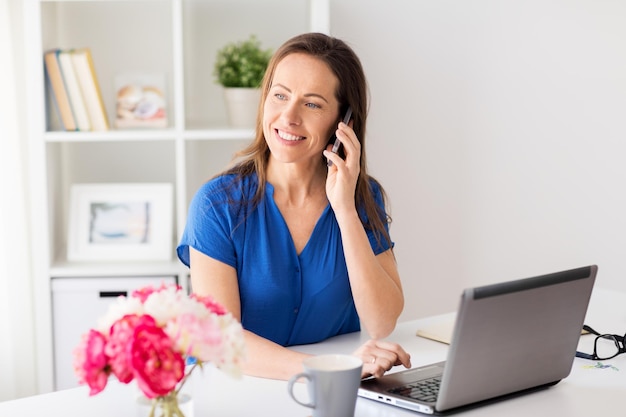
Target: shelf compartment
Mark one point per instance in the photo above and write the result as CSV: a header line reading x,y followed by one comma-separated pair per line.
x,y
141,42
101,162
209,25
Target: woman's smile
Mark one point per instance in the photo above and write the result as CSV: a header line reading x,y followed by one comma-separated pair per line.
x,y
288,136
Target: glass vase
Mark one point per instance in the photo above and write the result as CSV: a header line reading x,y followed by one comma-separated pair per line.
x,y
170,405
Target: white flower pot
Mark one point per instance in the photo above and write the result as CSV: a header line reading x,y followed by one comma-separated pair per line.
x,y
242,105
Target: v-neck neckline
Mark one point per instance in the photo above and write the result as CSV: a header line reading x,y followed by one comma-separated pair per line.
x,y
269,190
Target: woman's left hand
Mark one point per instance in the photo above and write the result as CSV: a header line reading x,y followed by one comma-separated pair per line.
x,y
343,174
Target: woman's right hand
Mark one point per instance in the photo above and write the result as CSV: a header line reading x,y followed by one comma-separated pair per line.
x,y
379,356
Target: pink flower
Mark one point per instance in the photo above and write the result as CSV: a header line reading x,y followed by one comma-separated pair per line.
x,y
148,335
116,349
145,292
90,361
156,365
197,337
212,305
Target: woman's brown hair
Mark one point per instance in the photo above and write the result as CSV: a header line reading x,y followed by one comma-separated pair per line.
x,y
352,91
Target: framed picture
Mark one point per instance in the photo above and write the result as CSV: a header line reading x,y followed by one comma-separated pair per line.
x,y
120,222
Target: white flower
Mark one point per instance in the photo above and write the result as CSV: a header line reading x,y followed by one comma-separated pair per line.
x,y
121,307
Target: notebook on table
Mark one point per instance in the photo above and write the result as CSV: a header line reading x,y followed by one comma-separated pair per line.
x,y
509,338
440,331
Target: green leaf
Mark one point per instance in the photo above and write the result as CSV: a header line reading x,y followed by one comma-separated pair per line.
x,y
242,64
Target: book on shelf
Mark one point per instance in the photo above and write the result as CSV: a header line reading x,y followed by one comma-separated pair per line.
x,y
88,81
140,101
58,90
74,92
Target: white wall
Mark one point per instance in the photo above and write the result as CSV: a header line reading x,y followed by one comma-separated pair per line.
x,y
498,130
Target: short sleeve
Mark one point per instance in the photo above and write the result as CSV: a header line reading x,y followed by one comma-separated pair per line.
x,y
209,226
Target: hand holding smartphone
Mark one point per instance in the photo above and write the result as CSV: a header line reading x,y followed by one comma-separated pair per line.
x,y
335,140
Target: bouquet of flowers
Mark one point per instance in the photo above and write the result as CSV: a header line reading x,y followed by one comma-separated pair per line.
x,y
151,335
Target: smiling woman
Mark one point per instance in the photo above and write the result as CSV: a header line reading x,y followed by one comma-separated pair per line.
x,y
297,250
17,356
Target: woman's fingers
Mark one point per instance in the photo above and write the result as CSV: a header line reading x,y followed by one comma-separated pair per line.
x,y
379,356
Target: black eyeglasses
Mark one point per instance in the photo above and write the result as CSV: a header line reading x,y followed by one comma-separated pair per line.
x,y
605,347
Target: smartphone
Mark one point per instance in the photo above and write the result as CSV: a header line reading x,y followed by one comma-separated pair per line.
x,y
335,141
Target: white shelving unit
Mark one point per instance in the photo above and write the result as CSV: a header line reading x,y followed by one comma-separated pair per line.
x,y
178,38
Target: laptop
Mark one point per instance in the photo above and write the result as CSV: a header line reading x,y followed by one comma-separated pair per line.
x,y
509,338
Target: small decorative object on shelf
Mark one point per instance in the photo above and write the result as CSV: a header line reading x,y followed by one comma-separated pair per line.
x,y
140,101
149,336
239,68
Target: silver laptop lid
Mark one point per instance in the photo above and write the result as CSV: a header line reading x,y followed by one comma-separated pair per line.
x,y
515,335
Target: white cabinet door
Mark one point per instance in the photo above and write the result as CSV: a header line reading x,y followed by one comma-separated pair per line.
x,y
77,304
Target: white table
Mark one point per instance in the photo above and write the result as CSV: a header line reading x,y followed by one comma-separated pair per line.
x,y
585,392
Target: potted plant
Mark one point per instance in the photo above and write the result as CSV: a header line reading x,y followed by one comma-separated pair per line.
x,y
239,68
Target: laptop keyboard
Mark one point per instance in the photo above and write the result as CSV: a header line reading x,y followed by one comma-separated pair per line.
x,y
424,390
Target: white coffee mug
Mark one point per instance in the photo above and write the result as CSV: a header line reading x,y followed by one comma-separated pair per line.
x,y
333,382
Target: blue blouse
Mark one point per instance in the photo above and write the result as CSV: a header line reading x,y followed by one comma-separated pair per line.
x,y
288,298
